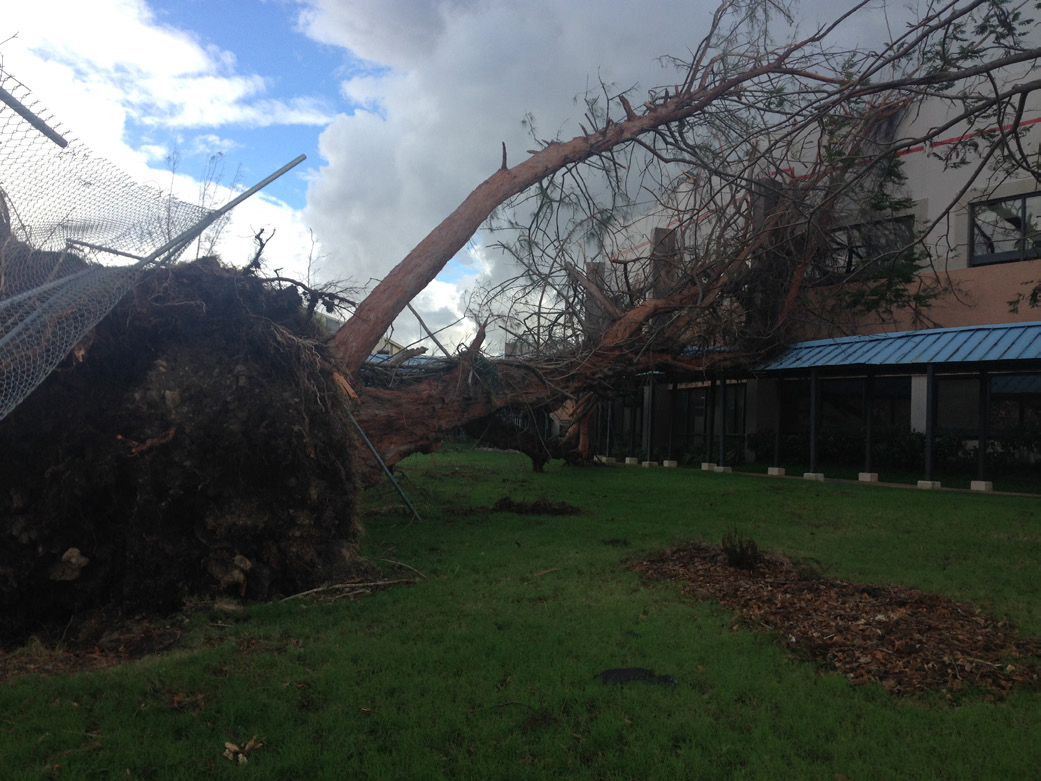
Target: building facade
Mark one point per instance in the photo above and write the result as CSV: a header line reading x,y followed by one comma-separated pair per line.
x,y
952,389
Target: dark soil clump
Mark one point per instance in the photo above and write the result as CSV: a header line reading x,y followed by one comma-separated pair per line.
x,y
194,444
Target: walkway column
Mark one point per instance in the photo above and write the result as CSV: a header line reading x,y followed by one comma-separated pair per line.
x,y
686,429
930,418
983,433
869,404
673,392
632,422
648,421
599,429
722,423
778,419
814,415
710,418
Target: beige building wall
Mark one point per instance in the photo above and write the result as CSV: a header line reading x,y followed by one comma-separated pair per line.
x,y
969,297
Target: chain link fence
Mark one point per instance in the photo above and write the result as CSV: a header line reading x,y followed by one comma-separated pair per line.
x,y
75,234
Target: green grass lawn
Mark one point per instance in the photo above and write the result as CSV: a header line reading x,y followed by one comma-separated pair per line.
x,y
486,669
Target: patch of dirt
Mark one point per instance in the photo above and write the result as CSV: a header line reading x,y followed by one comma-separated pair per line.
x,y
107,637
112,641
507,505
538,507
907,640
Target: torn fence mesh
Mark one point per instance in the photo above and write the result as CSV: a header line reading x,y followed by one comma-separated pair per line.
x,y
75,234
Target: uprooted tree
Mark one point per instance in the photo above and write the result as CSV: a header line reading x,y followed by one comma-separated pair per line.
x,y
200,438
752,159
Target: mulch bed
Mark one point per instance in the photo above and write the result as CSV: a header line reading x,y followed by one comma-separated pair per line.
x,y
905,639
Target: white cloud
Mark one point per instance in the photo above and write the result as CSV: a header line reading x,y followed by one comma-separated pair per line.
x,y
460,78
101,65
106,35
105,62
212,144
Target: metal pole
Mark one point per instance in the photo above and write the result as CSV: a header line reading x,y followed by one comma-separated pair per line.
x,y
710,418
930,418
599,428
778,419
208,220
632,423
672,418
689,393
983,433
814,404
380,461
869,404
648,421
31,118
429,333
722,423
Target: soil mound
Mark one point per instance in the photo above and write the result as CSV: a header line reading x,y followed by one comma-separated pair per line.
x,y
195,442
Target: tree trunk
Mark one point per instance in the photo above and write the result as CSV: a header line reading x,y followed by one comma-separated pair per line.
x,y
412,419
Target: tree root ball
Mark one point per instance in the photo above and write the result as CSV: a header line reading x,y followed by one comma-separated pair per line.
x,y
194,444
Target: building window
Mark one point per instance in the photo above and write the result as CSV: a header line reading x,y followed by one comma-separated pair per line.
x,y
1005,230
1015,405
877,245
876,242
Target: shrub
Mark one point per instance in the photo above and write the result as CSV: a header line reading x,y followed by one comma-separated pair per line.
x,y
741,552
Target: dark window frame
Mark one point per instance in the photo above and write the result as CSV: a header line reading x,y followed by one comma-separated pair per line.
x,y
860,245
1027,248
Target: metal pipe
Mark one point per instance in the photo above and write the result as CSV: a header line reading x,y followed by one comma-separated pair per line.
x,y
189,235
386,469
31,118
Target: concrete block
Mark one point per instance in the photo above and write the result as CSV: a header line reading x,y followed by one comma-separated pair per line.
x,y
928,485
868,477
603,459
981,485
775,471
723,469
631,461
670,464
818,476
708,466
649,464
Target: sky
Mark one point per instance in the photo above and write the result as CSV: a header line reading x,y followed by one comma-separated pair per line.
x,y
401,107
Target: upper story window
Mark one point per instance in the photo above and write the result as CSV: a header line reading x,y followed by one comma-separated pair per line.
x,y
873,246
1004,230
880,242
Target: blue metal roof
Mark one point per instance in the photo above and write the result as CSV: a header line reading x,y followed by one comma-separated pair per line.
x,y
1005,342
414,364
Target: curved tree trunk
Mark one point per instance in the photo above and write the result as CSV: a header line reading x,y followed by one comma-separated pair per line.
x,y
355,341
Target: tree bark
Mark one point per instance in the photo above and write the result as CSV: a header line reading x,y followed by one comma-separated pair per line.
x,y
416,418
